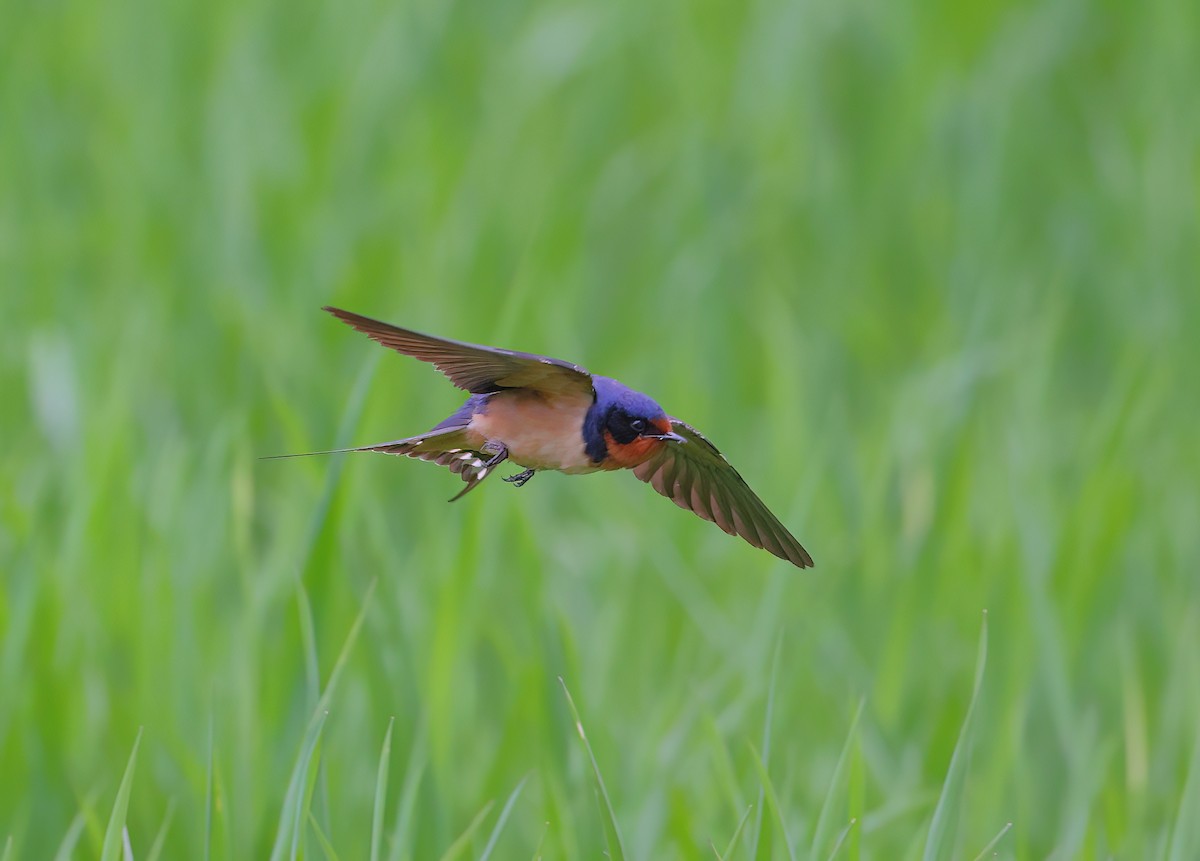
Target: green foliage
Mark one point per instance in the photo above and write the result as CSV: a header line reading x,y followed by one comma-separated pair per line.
x,y
115,837
927,273
614,843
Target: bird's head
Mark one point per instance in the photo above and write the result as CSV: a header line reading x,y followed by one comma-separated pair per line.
x,y
625,428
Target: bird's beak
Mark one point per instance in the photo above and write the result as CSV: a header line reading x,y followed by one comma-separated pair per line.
x,y
670,436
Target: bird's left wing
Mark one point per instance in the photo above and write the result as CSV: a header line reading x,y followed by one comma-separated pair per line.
x,y
696,476
476,368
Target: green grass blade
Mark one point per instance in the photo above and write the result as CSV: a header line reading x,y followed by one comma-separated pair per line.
x,y
612,831
209,789
66,849
322,840
1185,836
502,820
841,838
308,636
537,852
344,655
351,413
8,849
766,747
856,799
287,837
113,846
381,781
463,840
737,832
825,819
160,839
772,798
414,773
293,814
308,640
940,842
992,843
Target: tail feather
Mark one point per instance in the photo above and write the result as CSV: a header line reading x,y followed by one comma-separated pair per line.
x,y
379,447
448,447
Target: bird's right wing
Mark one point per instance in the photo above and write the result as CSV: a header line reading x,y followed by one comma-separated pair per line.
x,y
476,368
696,476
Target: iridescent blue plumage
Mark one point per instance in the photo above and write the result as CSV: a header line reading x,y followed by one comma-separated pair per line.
x,y
616,405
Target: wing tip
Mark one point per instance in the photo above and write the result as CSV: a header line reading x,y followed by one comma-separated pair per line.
x,y
792,551
347,316
798,558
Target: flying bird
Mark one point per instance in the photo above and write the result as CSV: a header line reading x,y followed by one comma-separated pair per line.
x,y
547,414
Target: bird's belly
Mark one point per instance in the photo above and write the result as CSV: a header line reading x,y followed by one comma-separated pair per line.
x,y
540,432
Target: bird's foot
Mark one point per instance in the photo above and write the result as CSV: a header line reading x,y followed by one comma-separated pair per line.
x,y
500,453
520,478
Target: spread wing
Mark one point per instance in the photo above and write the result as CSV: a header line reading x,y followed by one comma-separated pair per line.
x,y
696,476
475,368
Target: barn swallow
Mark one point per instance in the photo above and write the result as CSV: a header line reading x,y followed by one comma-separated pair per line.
x,y
547,414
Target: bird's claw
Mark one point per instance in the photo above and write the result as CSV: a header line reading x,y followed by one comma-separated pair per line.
x,y
520,478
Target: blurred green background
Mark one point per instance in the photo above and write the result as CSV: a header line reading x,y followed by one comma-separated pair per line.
x,y
927,273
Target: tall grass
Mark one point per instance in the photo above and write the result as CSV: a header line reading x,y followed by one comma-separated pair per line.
x,y
927,273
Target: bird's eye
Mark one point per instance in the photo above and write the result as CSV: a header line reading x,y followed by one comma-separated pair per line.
x,y
638,425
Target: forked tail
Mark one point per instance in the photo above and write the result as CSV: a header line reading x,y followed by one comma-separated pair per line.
x,y
448,447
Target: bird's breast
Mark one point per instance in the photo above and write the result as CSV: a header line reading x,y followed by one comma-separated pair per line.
x,y
540,431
